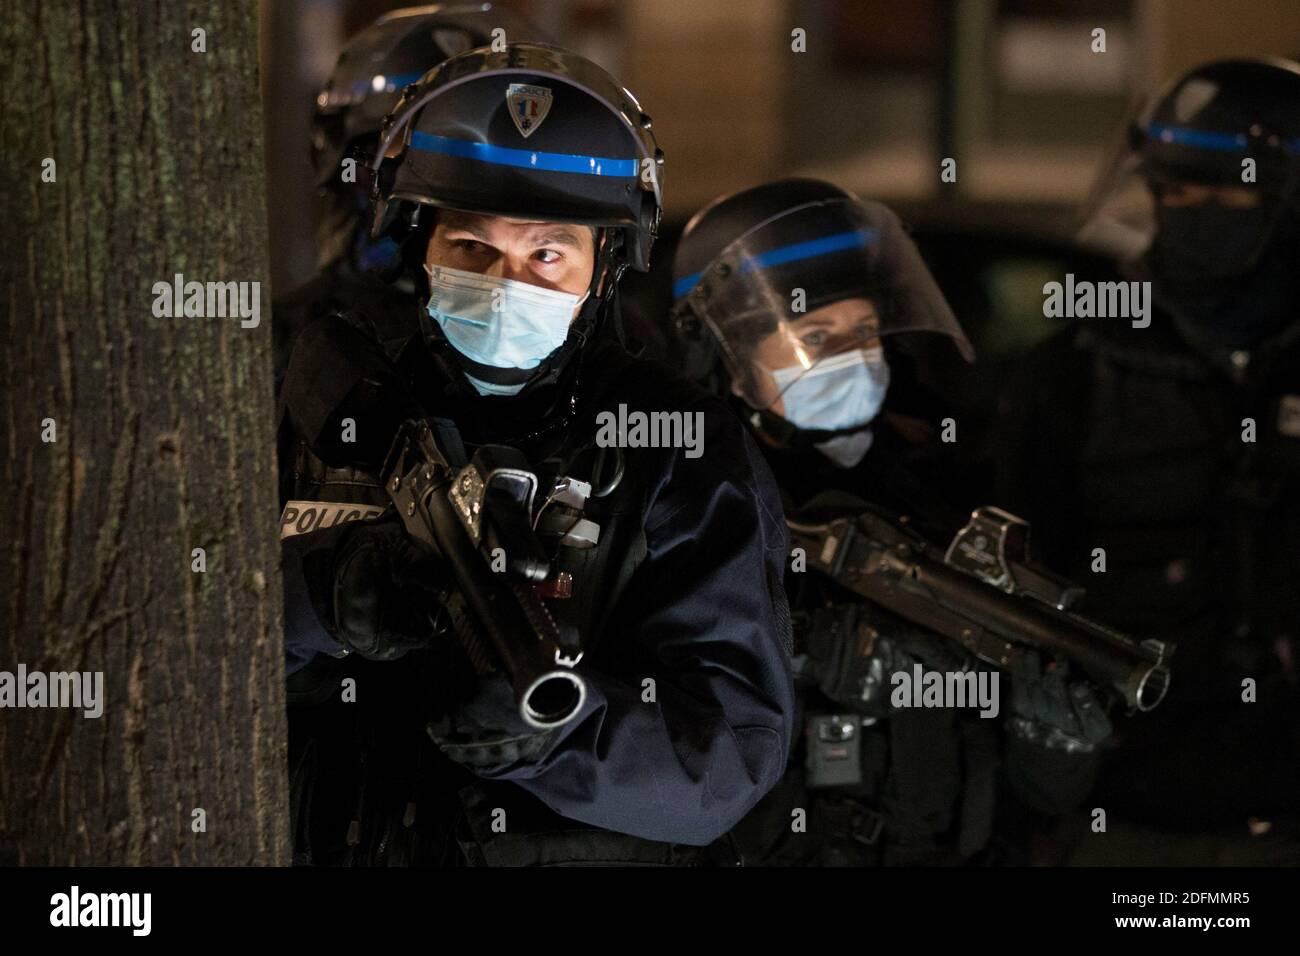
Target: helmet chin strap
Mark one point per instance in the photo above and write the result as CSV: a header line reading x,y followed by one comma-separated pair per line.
x,y
606,267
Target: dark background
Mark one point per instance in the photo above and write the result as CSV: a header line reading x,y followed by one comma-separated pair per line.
x,y
886,89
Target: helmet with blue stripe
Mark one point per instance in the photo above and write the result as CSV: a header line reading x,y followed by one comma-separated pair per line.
x,y
794,273
529,131
1231,124
387,56
1208,121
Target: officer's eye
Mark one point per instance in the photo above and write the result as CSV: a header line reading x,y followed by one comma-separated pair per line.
x,y
548,256
470,246
814,339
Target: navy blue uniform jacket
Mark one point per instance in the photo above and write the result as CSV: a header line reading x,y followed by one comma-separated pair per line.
x,y
703,615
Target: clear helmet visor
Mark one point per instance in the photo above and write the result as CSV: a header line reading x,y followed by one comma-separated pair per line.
x,y
1118,217
1159,161
804,290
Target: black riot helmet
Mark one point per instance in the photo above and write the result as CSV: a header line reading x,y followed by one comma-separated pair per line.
x,y
1204,125
366,83
531,131
753,269
1204,193
1202,129
389,55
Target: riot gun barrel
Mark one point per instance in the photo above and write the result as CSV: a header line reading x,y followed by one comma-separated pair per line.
x,y
880,559
498,617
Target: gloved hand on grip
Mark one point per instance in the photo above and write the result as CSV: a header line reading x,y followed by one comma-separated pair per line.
x,y
389,591
1052,710
854,649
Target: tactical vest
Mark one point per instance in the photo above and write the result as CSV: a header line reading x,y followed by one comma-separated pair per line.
x,y
1184,479
1199,526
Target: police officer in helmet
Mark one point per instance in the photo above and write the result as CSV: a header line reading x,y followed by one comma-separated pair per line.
x,y
808,298
1204,195
1174,450
519,185
356,271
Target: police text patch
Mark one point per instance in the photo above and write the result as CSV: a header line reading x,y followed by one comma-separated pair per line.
x,y
303,517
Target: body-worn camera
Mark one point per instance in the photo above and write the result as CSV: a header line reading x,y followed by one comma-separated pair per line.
x,y
834,750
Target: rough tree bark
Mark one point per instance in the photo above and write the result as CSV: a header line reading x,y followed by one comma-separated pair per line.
x,y
164,432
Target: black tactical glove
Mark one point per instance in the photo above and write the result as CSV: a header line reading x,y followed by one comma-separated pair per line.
x,y
389,592
1049,709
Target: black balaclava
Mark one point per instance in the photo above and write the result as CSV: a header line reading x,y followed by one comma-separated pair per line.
x,y
1234,273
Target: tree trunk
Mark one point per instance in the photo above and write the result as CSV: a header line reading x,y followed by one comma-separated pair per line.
x,y
163,440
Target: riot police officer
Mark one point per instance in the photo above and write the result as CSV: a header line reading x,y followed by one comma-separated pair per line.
x,y
808,296
1172,451
519,185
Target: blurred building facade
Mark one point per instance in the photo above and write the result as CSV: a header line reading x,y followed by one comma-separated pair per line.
x,y
872,94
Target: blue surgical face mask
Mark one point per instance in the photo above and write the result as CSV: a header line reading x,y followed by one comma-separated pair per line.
x,y
499,322
843,391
